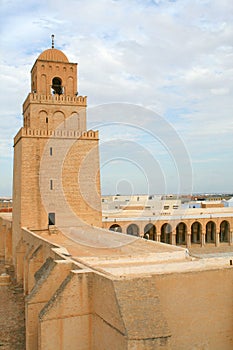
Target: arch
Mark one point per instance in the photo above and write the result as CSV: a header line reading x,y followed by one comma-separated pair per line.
x,y
210,232
196,229
115,228
57,86
57,119
181,233
73,121
70,86
133,230
42,119
224,234
166,233
150,231
43,84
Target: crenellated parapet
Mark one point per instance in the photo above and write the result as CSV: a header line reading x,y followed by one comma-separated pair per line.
x,y
55,99
58,133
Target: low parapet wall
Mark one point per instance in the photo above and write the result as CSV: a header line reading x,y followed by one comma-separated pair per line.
x,y
56,99
76,305
58,133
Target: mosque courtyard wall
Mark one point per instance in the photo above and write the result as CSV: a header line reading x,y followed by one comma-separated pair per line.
x,y
186,229
100,301
85,286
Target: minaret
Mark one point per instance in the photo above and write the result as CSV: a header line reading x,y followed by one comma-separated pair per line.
x,y
54,87
56,160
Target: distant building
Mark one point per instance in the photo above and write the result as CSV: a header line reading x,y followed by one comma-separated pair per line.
x,y
229,203
5,204
140,202
166,220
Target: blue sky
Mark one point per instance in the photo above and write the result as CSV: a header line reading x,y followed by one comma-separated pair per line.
x,y
174,58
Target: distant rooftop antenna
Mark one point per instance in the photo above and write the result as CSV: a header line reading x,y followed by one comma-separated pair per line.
x,y
52,36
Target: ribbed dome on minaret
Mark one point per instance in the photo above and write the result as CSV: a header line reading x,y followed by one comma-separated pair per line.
x,y
53,55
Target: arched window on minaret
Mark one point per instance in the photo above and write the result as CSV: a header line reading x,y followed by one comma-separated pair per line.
x,y
57,87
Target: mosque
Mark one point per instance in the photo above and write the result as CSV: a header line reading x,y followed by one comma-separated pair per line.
x,y
88,287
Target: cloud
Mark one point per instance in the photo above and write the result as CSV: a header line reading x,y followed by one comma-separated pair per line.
x,y
173,57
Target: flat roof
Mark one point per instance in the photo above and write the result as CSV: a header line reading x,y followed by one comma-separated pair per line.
x,y
118,255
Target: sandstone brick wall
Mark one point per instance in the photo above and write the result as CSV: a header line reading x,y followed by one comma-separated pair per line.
x,y
198,307
75,176
72,306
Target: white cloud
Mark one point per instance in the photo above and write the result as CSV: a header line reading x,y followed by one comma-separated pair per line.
x,y
174,57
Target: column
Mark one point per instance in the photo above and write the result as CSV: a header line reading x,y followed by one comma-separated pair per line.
x,y
217,239
188,243
203,240
173,233
231,237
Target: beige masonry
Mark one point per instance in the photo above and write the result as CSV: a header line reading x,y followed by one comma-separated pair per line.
x,y
54,153
87,287
141,295
183,218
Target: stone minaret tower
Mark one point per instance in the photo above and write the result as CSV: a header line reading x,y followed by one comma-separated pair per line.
x,y
56,160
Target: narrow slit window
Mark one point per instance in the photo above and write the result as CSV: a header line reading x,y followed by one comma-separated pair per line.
x,y
51,218
46,120
51,151
51,184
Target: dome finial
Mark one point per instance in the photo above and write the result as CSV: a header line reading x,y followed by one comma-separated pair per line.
x,y
52,36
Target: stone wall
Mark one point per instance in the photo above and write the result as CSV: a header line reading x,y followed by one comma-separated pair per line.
x,y
199,308
70,305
